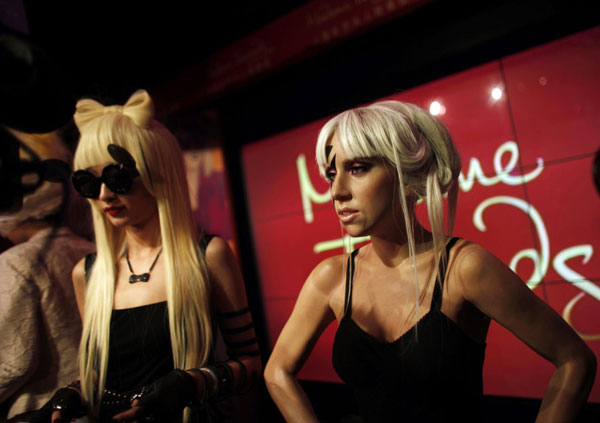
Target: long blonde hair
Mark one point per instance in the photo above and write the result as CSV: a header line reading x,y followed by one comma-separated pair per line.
x,y
418,146
160,164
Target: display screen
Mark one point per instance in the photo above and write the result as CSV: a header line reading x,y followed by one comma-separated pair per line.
x,y
527,128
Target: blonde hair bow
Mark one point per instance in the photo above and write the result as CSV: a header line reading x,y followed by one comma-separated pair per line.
x,y
139,108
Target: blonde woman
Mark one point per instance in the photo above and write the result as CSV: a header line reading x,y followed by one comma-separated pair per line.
x,y
413,306
151,297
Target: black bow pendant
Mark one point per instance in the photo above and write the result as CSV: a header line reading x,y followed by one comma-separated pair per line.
x,y
144,277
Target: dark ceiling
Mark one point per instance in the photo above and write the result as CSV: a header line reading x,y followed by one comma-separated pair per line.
x,y
109,48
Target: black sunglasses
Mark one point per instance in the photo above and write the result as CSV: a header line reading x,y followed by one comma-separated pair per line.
x,y
116,176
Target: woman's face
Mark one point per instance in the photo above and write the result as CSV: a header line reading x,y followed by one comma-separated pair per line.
x,y
362,191
135,208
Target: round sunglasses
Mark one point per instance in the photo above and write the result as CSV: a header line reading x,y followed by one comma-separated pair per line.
x,y
116,176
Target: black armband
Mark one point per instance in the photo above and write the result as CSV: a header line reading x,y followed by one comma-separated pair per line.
x,y
232,314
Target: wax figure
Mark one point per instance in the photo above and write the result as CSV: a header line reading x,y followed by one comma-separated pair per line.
x,y
414,305
39,322
154,295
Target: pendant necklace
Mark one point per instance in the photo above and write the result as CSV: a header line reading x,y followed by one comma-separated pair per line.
x,y
144,277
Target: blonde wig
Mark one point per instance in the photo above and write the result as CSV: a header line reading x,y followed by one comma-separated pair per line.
x,y
418,146
160,163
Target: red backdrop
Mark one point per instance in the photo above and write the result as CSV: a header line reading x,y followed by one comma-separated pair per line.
x,y
527,194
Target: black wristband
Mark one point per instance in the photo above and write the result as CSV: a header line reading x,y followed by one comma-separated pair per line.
x,y
242,380
206,383
226,378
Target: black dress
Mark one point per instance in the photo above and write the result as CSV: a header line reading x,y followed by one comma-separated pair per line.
x,y
139,352
433,374
139,349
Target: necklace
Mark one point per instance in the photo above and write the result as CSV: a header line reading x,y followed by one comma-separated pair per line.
x,y
144,277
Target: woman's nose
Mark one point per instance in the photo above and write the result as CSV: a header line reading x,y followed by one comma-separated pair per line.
x,y
339,188
105,193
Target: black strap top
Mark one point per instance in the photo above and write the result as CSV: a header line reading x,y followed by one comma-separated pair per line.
x,y
432,373
139,346
139,349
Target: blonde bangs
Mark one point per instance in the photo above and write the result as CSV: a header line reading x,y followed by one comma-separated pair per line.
x,y
363,133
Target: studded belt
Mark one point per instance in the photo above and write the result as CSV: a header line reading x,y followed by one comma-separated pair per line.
x,y
114,402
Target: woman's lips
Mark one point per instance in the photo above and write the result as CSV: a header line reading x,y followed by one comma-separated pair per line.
x,y
113,211
347,215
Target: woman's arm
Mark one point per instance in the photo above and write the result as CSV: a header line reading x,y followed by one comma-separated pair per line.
x,y
233,314
78,277
311,315
500,294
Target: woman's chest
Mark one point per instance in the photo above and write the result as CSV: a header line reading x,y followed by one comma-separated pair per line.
x,y
138,291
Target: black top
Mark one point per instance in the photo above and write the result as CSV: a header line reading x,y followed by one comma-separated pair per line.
x,y
430,375
139,349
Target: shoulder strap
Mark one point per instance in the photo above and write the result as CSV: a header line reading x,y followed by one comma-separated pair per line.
x,y
89,262
437,291
349,284
204,241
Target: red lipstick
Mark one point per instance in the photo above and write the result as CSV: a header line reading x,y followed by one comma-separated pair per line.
x,y
114,211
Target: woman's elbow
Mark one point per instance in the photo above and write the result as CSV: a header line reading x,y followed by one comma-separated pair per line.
x,y
270,373
589,363
583,365
274,375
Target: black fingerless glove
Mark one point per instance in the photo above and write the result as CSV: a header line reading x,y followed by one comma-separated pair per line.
x,y
67,400
165,398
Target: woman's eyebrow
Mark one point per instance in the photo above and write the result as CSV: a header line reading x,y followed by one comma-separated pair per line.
x,y
359,159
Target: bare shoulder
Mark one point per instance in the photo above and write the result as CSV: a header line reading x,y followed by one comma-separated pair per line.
x,y
218,251
225,276
328,274
470,258
479,272
221,263
470,263
78,273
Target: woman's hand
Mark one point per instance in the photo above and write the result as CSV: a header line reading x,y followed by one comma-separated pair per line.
x,y
133,414
61,408
163,399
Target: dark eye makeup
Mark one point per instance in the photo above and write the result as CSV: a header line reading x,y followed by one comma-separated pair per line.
x,y
330,173
354,167
357,167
